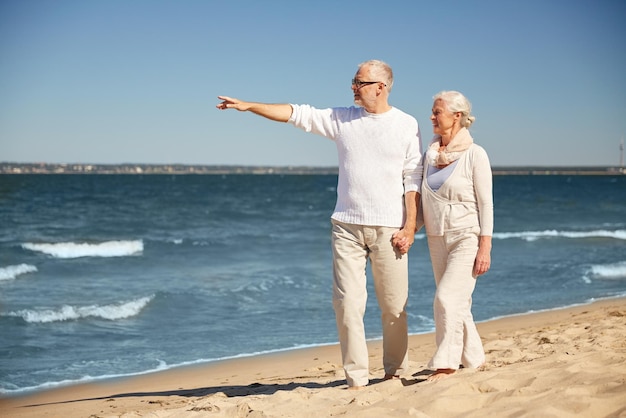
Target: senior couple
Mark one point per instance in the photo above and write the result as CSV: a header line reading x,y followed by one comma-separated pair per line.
x,y
382,177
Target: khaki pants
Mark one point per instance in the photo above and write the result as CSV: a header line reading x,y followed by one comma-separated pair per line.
x,y
352,246
458,342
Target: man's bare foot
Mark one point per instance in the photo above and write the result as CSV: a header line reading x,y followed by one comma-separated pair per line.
x,y
440,374
391,376
356,387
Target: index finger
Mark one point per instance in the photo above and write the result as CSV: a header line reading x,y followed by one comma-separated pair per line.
x,y
225,101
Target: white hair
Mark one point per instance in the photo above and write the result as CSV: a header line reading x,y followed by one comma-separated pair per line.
x,y
380,70
456,102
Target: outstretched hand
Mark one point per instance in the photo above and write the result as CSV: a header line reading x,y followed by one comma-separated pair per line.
x,y
280,112
232,103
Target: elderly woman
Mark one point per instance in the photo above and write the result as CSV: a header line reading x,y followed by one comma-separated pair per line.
x,y
457,206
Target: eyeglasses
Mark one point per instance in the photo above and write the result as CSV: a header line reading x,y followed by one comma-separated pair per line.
x,y
359,83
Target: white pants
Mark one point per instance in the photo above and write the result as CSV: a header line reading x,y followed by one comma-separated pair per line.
x,y
352,246
458,342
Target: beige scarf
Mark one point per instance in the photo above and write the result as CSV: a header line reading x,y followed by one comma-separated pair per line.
x,y
459,144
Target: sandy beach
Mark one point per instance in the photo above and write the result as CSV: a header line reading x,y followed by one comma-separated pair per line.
x,y
563,363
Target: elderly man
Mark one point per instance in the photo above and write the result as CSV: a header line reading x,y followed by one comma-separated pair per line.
x,y
380,171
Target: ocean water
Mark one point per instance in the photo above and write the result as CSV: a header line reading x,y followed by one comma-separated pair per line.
x,y
115,275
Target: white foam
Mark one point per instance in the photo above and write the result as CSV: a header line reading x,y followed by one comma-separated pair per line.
x,y
11,272
76,250
608,271
535,235
66,312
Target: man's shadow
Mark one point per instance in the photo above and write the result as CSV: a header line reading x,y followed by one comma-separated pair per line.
x,y
232,391
228,390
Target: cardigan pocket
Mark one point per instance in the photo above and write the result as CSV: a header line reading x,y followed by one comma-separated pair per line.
x,y
461,215
441,214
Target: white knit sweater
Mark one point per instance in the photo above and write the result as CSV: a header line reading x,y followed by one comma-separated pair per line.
x,y
379,159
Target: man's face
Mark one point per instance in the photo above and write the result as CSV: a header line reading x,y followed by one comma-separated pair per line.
x,y
366,93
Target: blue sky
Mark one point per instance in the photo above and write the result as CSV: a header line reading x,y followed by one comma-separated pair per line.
x,y
136,81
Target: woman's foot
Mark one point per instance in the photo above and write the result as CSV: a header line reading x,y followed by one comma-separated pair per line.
x,y
440,374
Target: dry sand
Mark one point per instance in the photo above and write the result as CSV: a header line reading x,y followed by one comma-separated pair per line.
x,y
563,363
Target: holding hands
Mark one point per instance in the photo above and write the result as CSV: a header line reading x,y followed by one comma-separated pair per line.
x,y
403,240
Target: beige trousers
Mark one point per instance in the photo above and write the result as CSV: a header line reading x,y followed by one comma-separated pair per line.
x,y
458,342
352,246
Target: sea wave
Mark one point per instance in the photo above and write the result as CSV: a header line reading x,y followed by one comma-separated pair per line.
x,y
11,272
535,235
66,312
613,271
76,249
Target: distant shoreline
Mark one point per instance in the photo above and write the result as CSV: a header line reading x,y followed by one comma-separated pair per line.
x,y
149,169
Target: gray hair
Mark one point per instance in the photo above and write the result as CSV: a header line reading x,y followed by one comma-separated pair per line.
x,y
381,71
456,102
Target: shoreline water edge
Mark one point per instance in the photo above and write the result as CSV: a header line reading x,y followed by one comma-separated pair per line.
x,y
555,363
27,391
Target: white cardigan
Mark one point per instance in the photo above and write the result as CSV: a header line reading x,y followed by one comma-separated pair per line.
x,y
464,200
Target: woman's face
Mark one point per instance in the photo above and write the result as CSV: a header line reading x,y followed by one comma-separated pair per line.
x,y
443,120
